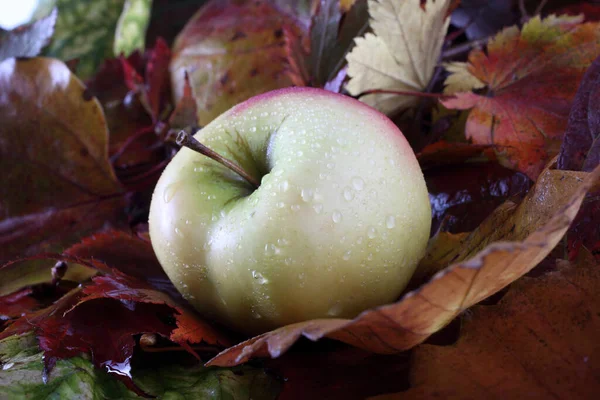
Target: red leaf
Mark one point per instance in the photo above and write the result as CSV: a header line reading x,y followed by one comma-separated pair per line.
x,y
16,304
127,253
157,77
530,78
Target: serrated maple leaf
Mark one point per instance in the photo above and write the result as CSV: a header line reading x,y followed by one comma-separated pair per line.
x,y
528,78
401,54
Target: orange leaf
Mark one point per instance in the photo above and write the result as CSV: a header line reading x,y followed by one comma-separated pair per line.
x,y
539,342
530,79
522,236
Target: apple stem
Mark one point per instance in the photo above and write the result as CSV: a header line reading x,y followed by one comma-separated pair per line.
x,y
186,140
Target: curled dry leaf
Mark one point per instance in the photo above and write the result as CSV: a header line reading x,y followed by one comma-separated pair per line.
x,y
539,340
527,80
522,238
401,54
232,51
58,184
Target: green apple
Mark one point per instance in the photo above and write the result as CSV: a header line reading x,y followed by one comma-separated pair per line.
x,y
338,224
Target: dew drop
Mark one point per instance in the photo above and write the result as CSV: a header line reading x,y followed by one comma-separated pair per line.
x,y
284,186
295,207
390,222
348,194
281,204
170,191
346,255
179,233
336,216
318,208
371,232
358,183
306,194
335,310
330,165
299,153
260,279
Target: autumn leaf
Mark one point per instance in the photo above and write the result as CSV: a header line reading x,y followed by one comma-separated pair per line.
x,y
539,341
101,317
27,40
527,80
231,52
332,35
22,374
401,54
61,185
506,246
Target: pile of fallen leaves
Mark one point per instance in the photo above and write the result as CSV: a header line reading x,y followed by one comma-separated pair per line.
x,y
498,98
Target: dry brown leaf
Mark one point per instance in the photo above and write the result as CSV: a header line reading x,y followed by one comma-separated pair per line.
x,y
533,228
539,342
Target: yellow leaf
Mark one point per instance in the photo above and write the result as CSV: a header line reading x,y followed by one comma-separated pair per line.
x,y
401,54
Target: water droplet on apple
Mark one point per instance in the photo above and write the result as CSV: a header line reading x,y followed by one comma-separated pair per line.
x,y
335,310
299,153
330,165
281,204
359,240
295,207
390,222
371,232
179,233
288,261
260,279
346,255
348,194
318,208
336,216
358,183
306,194
188,222
284,186
255,313
170,191
341,141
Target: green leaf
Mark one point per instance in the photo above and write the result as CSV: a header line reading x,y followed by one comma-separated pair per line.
x,y
199,382
85,30
21,377
132,25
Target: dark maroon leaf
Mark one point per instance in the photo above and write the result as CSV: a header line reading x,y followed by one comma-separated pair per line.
x,y
580,150
463,195
482,18
16,304
127,253
27,40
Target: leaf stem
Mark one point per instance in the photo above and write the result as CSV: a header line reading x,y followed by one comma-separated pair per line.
x,y
404,93
463,48
186,140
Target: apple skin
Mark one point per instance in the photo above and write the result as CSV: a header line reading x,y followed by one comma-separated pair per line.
x,y
337,226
